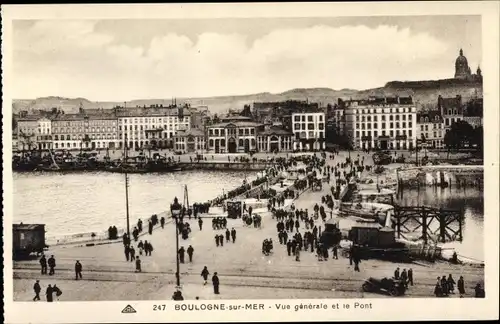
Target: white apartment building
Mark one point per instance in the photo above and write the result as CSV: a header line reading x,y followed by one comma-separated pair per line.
x,y
386,123
309,131
143,127
44,136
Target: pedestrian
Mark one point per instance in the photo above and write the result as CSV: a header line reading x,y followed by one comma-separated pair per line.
x,y
215,282
43,264
204,274
78,270
396,274
451,284
444,285
461,286
479,292
221,240
48,294
404,278
335,252
52,264
132,254
228,235
410,276
127,252
181,254
57,291
190,251
140,246
150,228
200,223
37,289
138,265
162,222
233,234
217,240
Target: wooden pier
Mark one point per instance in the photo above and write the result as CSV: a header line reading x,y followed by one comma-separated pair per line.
x,y
424,217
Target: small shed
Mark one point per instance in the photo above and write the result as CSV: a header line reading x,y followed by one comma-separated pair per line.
x,y
365,233
28,238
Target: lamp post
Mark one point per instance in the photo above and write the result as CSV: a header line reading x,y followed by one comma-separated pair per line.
x,y
175,209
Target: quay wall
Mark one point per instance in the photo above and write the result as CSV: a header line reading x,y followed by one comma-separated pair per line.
x,y
224,166
466,175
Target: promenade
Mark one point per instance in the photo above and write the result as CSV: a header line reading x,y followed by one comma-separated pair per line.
x,y
244,272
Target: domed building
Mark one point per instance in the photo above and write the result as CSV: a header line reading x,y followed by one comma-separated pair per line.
x,y
462,69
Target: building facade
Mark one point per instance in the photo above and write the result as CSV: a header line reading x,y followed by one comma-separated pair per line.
x,y
451,109
232,137
309,131
385,123
27,132
275,139
431,129
152,126
44,134
68,132
190,141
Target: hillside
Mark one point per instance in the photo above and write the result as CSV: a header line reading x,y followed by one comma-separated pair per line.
x,y
425,94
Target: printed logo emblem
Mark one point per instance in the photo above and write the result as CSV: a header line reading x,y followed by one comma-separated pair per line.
x,y
129,310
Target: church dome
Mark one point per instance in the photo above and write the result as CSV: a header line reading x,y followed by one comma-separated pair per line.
x,y
461,60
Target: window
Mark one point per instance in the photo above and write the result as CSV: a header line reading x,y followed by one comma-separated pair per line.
x,y
375,125
410,133
426,128
216,132
404,117
391,117
67,137
404,124
296,118
391,125
392,133
357,125
383,117
252,131
363,118
210,133
375,118
211,142
240,132
240,142
409,124
309,118
222,133
357,133
397,124
247,131
321,126
310,126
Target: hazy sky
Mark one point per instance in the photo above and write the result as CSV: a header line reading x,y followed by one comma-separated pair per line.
x,y
137,59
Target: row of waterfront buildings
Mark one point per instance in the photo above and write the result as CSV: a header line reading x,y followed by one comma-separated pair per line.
x,y
374,122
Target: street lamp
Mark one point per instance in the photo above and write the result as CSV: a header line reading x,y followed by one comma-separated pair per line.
x,y
175,210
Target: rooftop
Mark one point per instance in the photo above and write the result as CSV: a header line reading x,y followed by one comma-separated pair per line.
x,y
236,124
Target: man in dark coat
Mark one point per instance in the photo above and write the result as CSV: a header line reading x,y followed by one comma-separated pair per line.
x,y
404,278
150,228
52,264
127,252
162,222
215,282
37,289
289,247
200,223
410,276
78,270
204,274
217,240
48,294
233,234
181,254
228,235
396,274
43,264
461,286
221,240
190,251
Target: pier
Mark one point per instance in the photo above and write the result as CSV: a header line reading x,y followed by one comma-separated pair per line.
x,y
424,217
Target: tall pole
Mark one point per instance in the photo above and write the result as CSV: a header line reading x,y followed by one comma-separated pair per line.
x,y
126,190
178,273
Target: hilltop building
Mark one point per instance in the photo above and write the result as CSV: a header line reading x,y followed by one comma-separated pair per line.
x,y
463,71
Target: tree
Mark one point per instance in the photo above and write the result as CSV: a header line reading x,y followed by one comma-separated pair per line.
x,y
460,135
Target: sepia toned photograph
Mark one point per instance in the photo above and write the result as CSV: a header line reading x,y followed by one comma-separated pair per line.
x,y
253,158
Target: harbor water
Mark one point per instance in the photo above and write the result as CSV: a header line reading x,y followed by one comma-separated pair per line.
x,y
75,203
470,199
91,202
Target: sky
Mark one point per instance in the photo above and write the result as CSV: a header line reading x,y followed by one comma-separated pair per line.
x,y
116,60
